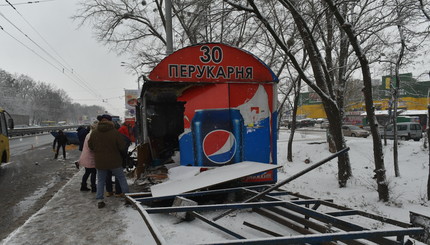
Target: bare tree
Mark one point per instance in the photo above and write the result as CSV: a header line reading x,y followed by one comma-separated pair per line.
x,y
329,31
377,145
322,83
21,95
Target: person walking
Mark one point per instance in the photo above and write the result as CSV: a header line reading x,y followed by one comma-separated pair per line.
x,y
61,141
108,146
86,160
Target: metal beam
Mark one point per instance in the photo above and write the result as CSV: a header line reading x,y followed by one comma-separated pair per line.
x,y
295,176
156,234
199,193
258,228
344,226
210,222
327,237
214,207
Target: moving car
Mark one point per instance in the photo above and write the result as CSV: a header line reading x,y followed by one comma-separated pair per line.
x,y
405,131
354,131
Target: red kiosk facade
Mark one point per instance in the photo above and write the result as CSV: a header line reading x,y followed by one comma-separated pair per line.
x,y
214,103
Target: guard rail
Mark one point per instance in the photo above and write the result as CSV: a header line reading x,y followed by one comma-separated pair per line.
x,y
39,130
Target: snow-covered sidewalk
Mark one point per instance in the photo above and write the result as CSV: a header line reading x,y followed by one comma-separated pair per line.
x,y
72,217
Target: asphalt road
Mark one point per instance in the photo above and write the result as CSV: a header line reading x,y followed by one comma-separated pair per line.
x,y
19,145
31,178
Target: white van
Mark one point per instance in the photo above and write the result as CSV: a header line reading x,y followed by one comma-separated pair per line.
x,y
405,131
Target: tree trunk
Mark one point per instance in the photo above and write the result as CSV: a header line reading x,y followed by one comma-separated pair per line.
x,y
293,121
335,130
323,78
322,84
428,133
396,97
367,81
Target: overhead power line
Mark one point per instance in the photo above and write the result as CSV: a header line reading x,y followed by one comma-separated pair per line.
x,y
64,68
28,2
60,69
43,58
38,33
73,75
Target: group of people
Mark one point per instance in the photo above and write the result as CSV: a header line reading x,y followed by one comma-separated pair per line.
x,y
104,149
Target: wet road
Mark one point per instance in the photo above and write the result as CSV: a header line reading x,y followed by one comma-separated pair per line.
x,y
30,179
19,145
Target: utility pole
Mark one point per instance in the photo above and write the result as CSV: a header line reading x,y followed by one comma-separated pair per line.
x,y
169,35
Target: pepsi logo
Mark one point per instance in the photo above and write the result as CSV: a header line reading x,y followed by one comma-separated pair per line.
x,y
219,146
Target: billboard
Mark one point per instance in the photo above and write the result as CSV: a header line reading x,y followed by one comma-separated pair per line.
x,y
212,62
131,96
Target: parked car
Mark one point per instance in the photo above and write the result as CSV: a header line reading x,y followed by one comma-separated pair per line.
x,y
405,131
320,120
307,122
354,131
325,124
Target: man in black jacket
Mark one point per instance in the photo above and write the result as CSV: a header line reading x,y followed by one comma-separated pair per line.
x,y
61,141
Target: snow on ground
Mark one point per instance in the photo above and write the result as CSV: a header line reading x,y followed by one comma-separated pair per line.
x,y
71,217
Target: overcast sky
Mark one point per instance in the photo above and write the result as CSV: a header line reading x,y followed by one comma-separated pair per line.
x,y
92,74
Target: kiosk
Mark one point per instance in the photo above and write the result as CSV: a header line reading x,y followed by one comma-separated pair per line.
x,y
214,103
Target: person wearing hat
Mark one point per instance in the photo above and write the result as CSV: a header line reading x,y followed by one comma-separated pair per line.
x,y
107,145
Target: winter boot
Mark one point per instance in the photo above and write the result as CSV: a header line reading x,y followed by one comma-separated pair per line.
x,y
93,189
84,187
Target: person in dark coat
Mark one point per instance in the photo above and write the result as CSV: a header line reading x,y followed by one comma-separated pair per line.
x,y
82,133
118,192
108,146
61,141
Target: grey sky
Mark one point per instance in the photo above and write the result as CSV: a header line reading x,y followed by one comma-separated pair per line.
x,y
92,74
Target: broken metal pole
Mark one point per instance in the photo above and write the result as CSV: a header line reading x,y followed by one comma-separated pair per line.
x,y
258,228
316,165
202,218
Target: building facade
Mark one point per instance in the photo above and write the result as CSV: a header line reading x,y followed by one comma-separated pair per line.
x,y
413,100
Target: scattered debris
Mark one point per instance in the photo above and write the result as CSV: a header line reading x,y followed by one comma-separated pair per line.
x,y
211,177
420,220
182,201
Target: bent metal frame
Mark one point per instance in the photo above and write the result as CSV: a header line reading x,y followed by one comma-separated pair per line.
x,y
304,215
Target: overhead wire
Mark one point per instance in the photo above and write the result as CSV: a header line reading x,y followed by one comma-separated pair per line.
x,y
78,80
28,2
60,69
47,61
70,70
33,51
38,33
86,86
